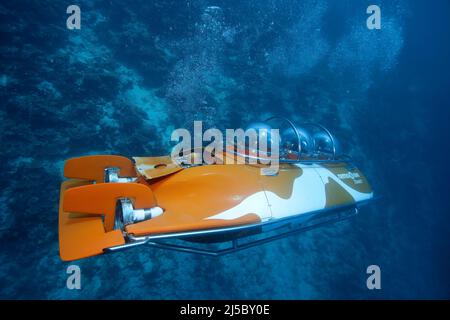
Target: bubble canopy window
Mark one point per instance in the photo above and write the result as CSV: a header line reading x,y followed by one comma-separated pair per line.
x,y
301,142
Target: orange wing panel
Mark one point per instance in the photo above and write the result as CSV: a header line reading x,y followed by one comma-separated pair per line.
x,y
156,167
92,167
84,236
101,199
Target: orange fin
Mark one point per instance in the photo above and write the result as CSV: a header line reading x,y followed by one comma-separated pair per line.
x,y
101,199
83,237
93,167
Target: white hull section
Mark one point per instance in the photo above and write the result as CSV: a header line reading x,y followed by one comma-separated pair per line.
x,y
308,195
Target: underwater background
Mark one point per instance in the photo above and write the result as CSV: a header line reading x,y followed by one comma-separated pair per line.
x,y
138,69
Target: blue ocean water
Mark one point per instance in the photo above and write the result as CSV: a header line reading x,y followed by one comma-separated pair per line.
x,y
138,69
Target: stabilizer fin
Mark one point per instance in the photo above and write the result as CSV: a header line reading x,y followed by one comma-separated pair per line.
x,y
84,236
92,168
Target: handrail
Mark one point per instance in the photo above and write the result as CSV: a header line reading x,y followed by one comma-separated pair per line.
x,y
155,240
